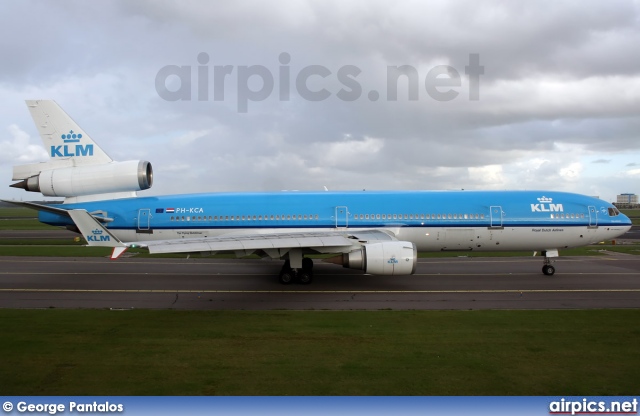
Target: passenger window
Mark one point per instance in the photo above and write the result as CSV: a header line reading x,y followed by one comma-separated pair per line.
x,y
377,216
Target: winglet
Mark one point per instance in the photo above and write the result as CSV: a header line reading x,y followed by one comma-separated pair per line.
x,y
117,252
95,233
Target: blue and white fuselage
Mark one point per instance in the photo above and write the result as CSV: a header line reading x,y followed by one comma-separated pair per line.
x,y
433,220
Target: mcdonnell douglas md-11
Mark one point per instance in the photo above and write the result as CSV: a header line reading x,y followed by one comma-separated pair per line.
x,y
377,232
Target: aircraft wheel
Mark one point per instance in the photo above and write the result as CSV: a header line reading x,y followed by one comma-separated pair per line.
x,y
307,264
305,277
548,270
286,265
287,276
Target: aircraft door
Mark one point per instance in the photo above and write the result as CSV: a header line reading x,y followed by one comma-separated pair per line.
x,y
342,217
496,216
593,216
144,219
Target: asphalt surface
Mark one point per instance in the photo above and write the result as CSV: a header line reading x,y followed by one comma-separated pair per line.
x,y
611,281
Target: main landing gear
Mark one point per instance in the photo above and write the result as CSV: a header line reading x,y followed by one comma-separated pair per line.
x,y
303,275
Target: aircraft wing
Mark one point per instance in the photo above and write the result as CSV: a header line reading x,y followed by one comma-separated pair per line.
x,y
249,242
274,244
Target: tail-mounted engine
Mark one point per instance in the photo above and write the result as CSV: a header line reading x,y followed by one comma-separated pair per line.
x,y
132,175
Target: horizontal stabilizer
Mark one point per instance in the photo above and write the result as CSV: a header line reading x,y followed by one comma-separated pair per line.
x,y
93,231
39,207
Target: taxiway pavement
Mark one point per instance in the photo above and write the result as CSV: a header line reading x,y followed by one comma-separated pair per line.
x,y
609,281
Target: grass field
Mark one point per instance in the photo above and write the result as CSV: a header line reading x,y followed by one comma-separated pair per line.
x,y
99,352
24,224
17,213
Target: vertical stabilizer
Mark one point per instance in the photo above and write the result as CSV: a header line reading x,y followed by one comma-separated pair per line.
x,y
63,138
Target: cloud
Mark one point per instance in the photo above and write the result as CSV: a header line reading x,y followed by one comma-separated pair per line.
x,y
558,96
19,149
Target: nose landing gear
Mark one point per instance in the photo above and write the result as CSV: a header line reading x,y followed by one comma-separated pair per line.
x,y
548,269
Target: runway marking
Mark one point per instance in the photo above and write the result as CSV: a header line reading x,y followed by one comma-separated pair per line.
x,y
565,274
365,292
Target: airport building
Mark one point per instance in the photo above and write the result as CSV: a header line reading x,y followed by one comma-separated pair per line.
x,y
627,201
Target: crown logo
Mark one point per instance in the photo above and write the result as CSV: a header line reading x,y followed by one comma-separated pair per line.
x,y
544,200
71,137
96,231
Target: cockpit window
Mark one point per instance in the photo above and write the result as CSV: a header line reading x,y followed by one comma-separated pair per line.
x,y
613,212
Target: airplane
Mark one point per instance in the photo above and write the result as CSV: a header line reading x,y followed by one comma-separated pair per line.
x,y
377,232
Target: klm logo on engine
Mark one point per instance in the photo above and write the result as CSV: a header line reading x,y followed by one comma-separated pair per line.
x,y
392,260
72,146
546,205
97,235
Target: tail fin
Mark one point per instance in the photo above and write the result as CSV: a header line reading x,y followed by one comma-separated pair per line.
x,y
63,138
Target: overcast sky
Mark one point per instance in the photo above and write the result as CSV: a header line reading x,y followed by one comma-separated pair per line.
x,y
557,108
